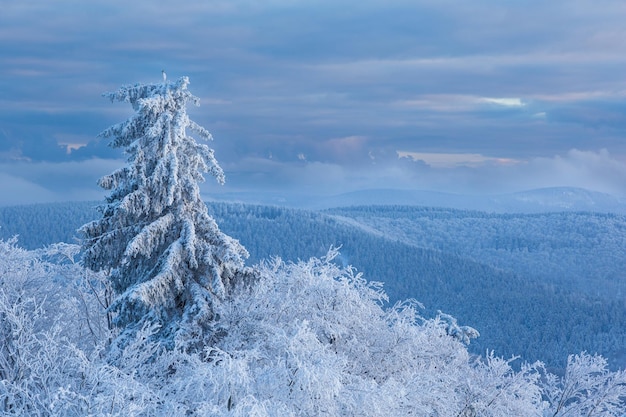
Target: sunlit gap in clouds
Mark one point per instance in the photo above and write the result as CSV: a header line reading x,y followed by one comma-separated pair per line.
x,y
71,142
507,102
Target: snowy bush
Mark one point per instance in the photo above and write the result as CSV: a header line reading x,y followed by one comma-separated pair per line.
x,y
305,339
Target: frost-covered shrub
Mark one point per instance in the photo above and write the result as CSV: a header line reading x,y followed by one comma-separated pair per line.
x,y
49,323
319,340
305,339
312,338
588,388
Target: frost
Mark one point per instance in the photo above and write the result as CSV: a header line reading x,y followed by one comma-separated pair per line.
x,y
303,339
164,252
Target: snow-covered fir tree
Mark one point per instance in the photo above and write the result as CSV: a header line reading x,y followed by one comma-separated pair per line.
x,y
168,261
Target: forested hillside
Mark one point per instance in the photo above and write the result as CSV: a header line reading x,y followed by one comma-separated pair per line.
x,y
582,251
38,225
517,313
469,264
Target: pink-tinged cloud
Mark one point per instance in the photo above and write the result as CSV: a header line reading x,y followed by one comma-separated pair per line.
x,y
452,160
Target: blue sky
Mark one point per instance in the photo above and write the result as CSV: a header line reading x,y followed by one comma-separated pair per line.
x,y
324,97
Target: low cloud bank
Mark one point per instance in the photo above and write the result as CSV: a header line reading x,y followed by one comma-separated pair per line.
x,y
25,182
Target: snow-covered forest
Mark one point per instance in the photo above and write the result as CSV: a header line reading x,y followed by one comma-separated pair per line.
x,y
156,312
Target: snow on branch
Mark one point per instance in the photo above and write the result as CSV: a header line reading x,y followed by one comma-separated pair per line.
x,y
150,238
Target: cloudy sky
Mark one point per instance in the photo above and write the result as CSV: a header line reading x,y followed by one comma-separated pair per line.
x,y
327,96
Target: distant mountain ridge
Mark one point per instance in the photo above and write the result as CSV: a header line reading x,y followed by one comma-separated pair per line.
x,y
562,199
532,201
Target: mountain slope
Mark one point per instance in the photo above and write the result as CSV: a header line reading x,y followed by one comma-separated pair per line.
x,y
575,250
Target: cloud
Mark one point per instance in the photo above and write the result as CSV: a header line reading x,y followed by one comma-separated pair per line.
x,y
474,84
594,170
28,182
506,102
16,190
450,160
454,173
475,174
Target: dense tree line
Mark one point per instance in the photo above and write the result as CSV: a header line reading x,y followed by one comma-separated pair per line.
x,y
581,251
39,225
